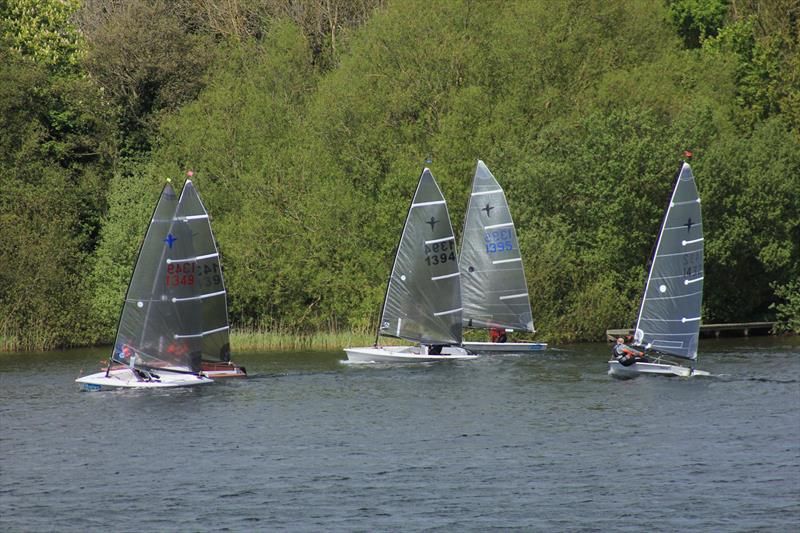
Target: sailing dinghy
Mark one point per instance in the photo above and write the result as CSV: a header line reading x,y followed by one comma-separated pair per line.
x,y
423,296
493,287
669,316
174,315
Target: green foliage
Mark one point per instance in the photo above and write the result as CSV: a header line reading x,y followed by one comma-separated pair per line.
x,y
788,310
697,20
131,198
44,31
50,170
767,70
147,62
307,129
753,213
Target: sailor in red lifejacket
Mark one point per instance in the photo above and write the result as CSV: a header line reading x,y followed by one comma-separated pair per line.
x,y
625,354
498,335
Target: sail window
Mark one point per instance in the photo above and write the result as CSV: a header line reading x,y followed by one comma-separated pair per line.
x,y
663,343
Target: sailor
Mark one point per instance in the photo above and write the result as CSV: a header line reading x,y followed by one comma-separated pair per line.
x,y
498,335
626,355
435,349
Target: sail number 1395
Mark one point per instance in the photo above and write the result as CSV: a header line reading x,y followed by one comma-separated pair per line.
x,y
498,241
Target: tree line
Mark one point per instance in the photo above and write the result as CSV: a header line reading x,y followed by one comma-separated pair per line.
x,y
306,124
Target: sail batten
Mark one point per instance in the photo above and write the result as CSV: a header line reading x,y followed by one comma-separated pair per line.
x,y
673,294
192,259
423,296
482,193
494,289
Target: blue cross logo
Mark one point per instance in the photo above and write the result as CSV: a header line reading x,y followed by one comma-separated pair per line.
x,y
169,240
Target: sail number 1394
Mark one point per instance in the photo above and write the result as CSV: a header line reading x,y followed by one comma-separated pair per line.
x,y
440,252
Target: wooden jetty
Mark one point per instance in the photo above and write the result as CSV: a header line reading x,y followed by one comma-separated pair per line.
x,y
741,329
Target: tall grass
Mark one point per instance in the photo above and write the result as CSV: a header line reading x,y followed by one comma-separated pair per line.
x,y
276,338
36,338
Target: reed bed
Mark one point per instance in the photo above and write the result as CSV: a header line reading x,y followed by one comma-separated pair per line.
x,y
250,339
35,339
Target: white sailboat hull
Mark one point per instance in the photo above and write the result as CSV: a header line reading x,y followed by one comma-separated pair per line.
x,y
125,378
504,347
404,354
616,370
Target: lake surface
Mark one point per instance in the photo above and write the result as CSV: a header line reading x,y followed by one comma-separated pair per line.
x,y
539,442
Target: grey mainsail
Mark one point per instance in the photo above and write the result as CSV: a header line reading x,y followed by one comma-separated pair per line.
x,y
150,319
669,317
423,297
493,286
209,298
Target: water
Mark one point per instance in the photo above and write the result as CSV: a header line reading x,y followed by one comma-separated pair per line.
x,y
542,442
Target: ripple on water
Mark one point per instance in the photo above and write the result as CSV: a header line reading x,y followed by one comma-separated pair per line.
x,y
546,442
